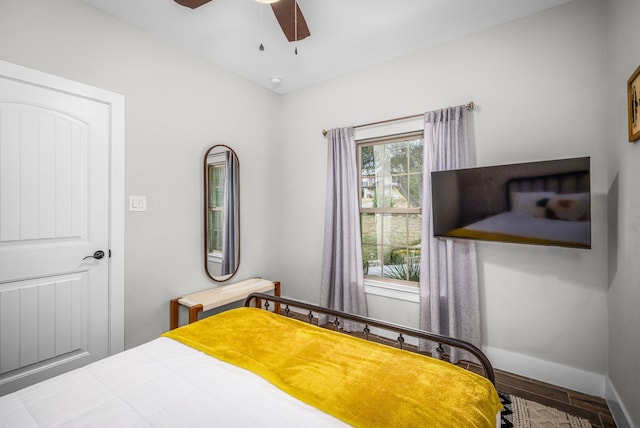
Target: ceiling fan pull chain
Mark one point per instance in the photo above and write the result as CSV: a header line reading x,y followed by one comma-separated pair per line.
x,y
261,47
295,25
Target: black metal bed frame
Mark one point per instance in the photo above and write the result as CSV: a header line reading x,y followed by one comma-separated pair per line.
x,y
279,302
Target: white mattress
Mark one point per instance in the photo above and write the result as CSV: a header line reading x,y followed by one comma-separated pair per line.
x,y
159,384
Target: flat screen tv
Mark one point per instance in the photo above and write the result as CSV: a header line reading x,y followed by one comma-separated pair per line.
x,y
541,203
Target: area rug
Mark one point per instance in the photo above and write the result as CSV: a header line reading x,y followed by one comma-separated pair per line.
x,y
521,413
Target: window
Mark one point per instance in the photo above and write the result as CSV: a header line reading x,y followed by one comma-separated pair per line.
x,y
390,180
215,208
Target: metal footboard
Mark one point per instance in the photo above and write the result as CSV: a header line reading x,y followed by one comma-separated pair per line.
x,y
285,305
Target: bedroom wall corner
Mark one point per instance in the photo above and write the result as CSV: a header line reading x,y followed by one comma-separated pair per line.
x,y
624,223
617,407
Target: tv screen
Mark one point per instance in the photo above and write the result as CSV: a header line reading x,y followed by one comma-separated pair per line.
x,y
541,203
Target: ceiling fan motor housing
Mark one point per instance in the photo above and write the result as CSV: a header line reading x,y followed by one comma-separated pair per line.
x,y
192,3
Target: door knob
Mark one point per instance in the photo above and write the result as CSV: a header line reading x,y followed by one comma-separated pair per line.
x,y
97,255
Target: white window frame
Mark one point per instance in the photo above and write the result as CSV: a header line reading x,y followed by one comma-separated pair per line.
x,y
409,293
379,285
215,161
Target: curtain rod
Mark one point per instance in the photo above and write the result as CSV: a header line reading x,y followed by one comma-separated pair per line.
x,y
469,106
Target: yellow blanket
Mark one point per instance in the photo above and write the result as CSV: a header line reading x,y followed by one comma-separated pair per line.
x,y
365,384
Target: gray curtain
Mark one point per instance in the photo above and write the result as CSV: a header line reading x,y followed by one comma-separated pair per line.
x,y
230,230
342,284
449,297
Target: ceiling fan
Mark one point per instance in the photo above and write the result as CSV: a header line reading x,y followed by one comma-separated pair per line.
x,y
287,12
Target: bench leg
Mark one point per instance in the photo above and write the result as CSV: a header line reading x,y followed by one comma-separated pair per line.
x,y
173,314
193,313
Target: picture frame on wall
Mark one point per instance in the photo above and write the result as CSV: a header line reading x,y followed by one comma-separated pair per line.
x,y
633,103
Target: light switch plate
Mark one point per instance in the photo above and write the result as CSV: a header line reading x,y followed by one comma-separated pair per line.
x,y
137,203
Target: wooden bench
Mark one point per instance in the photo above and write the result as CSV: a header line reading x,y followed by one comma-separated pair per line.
x,y
218,296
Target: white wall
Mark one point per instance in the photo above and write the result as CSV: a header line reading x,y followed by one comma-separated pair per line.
x,y
536,82
624,205
177,106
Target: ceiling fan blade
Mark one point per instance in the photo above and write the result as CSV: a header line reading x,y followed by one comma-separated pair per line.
x,y
192,3
284,11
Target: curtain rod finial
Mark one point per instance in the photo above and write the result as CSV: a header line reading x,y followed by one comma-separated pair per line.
x,y
470,105
324,132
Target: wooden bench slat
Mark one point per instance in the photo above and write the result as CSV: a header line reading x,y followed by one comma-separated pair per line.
x,y
219,296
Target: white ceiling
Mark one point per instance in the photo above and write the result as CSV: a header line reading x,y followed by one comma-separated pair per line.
x,y
346,35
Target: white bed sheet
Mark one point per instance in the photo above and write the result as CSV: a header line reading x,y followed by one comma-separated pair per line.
x,y
162,383
522,224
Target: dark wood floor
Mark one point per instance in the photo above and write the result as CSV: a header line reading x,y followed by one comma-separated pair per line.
x,y
594,409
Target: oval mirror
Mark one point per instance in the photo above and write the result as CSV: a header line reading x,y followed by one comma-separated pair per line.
x,y
222,212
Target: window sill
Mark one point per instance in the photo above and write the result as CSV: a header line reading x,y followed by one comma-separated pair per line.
x,y
391,290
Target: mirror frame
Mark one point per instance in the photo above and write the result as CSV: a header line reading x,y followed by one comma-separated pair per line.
x,y
206,213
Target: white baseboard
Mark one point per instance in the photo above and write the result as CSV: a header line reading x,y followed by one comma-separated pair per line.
x,y
618,410
546,371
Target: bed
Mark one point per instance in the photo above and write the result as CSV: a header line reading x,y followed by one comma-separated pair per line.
x,y
251,367
545,210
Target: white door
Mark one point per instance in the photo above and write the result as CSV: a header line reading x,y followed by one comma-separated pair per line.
x,y
55,297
